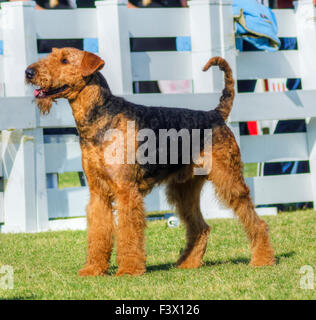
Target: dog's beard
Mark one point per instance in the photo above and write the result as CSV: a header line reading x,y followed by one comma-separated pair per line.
x,y
44,104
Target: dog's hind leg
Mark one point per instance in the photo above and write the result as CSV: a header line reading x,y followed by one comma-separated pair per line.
x,y
100,234
227,177
186,199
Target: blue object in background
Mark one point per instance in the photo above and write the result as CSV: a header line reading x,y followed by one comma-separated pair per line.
x,y
289,43
1,47
183,43
91,45
256,24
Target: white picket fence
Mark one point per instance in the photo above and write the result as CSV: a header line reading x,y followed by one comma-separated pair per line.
x,y
29,203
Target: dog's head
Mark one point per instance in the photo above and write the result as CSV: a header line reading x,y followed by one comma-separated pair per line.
x,y
62,74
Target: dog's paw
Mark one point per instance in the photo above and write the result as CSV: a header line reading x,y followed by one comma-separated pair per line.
x,y
91,270
264,259
260,262
189,264
131,271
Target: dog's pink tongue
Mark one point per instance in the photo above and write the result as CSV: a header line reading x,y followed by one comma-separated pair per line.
x,y
36,93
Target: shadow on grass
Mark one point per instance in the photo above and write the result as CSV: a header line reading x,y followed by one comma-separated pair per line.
x,y
161,267
284,255
238,260
243,260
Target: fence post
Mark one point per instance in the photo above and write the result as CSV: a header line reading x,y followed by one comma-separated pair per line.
x,y
114,47
19,45
40,179
25,196
19,180
305,15
212,34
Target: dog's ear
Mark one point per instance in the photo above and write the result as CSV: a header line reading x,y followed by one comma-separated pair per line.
x,y
90,63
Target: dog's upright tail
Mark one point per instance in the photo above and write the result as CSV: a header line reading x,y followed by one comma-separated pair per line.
x,y
227,98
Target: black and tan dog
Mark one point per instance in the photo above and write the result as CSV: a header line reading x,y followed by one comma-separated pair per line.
x,y
73,74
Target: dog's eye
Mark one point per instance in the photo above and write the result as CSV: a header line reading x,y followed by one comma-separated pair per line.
x,y
64,61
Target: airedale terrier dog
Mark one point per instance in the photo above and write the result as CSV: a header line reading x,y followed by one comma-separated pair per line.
x,y
74,75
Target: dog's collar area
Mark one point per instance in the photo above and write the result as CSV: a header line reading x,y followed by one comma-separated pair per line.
x,y
41,93
87,83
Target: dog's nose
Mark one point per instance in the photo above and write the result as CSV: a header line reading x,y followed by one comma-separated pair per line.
x,y
30,73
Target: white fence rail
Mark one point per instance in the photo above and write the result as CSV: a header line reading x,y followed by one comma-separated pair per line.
x,y
28,203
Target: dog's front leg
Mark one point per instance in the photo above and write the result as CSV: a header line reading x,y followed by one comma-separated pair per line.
x,y
100,234
130,231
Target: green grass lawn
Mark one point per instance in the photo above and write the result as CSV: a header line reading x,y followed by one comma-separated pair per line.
x,y
46,264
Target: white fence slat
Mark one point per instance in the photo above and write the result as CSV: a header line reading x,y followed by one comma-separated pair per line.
x,y
60,116
152,200
274,148
114,44
209,40
66,24
62,157
1,56
1,207
2,92
274,105
173,22
1,71
285,19
281,189
1,23
305,20
17,113
1,160
40,178
68,202
19,172
19,38
311,142
266,65
161,66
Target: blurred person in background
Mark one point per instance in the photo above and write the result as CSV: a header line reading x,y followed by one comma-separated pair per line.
x,y
57,4
51,4
157,3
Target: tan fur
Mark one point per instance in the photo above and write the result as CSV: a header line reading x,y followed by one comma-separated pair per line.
x,y
227,98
